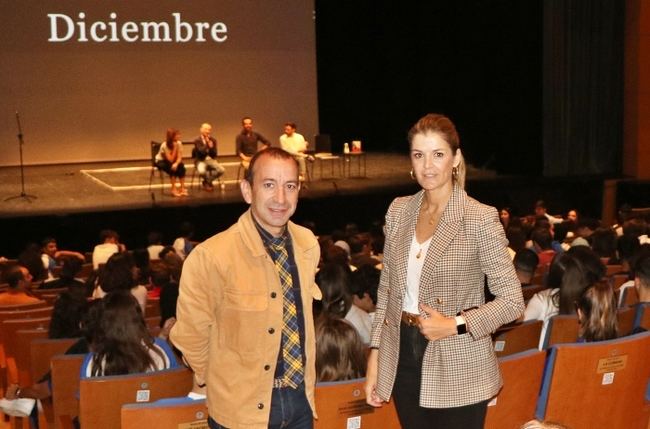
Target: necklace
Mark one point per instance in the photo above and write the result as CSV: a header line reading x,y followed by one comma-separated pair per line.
x,y
421,247
419,253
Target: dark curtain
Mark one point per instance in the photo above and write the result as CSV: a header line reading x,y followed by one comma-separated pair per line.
x,y
583,87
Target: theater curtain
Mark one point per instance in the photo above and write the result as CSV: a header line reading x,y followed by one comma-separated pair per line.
x,y
583,87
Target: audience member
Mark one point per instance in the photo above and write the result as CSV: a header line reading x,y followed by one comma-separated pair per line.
x,y
67,279
109,245
526,262
542,244
540,210
536,424
30,258
584,228
183,245
51,255
363,287
572,216
170,160
603,242
340,354
19,280
69,310
205,157
119,273
360,251
155,246
122,343
596,310
334,282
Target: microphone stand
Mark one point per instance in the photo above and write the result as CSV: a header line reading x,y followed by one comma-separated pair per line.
x,y
22,195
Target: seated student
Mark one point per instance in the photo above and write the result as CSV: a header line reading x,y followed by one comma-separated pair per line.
x,y
183,245
596,309
70,268
120,273
340,354
542,242
51,255
360,251
363,287
122,344
154,238
109,245
525,262
19,279
69,310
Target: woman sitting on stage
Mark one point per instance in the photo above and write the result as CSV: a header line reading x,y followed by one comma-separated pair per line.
x,y
170,160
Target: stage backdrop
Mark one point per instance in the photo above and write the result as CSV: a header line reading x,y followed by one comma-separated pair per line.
x,y
96,81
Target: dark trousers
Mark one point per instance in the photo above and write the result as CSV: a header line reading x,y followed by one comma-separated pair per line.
x,y
289,410
166,166
406,392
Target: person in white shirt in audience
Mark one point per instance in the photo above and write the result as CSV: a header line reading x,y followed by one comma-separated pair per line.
x,y
110,244
183,245
155,245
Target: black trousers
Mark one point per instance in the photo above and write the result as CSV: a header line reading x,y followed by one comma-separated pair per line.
x,y
406,392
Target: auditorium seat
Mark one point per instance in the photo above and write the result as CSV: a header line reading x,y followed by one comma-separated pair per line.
x,y
101,398
10,340
65,389
516,401
42,351
642,317
517,338
342,404
165,414
561,329
625,318
598,385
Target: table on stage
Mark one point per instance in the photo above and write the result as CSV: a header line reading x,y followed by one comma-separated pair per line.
x,y
349,158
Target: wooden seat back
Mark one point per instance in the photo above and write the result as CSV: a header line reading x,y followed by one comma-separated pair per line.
x,y
598,385
14,346
101,398
42,350
21,354
522,377
517,338
625,318
642,317
343,403
561,329
65,388
165,414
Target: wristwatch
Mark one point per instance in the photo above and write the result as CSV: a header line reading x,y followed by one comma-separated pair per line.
x,y
461,325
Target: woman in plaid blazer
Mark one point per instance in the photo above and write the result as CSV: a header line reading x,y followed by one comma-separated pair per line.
x,y
431,344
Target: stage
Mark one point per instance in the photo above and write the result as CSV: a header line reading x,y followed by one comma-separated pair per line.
x,y
75,201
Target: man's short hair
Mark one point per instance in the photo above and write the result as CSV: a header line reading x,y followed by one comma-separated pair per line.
x,y
526,260
542,237
14,276
273,152
540,204
48,240
290,124
108,233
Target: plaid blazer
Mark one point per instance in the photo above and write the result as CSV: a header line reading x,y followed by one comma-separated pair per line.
x,y
468,245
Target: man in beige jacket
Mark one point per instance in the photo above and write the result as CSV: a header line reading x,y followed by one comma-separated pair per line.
x,y
245,323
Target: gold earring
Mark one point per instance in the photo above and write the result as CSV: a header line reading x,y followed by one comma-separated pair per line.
x,y
412,174
454,172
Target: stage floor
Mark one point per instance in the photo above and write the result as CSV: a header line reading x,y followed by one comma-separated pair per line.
x,y
78,188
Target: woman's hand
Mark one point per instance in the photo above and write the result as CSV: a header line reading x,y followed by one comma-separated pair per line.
x,y
371,379
436,326
174,167
12,391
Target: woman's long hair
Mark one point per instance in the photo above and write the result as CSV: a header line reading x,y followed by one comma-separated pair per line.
x,y
121,341
69,309
334,282
597,306
170,137
340,353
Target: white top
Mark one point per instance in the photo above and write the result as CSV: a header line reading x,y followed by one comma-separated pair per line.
x,y
361,321
103,252
179,246
295,144
154,251
541,307
417,255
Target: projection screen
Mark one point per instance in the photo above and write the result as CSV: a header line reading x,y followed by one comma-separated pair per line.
x,y
97,81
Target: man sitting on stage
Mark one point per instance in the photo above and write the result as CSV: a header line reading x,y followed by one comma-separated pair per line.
x,y
205,157
247,141
295,144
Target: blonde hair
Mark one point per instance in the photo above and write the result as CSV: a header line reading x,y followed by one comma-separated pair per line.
x,y
536,424
440,124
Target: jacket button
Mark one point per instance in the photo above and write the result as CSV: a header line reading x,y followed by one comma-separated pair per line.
x,y
260,406
267,367
273,294
438,301
271,330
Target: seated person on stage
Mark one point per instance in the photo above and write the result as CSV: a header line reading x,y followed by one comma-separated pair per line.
x,y
122,343
247,142
295,144
51,255
110,244
170,160
340,354
205,157
19,281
